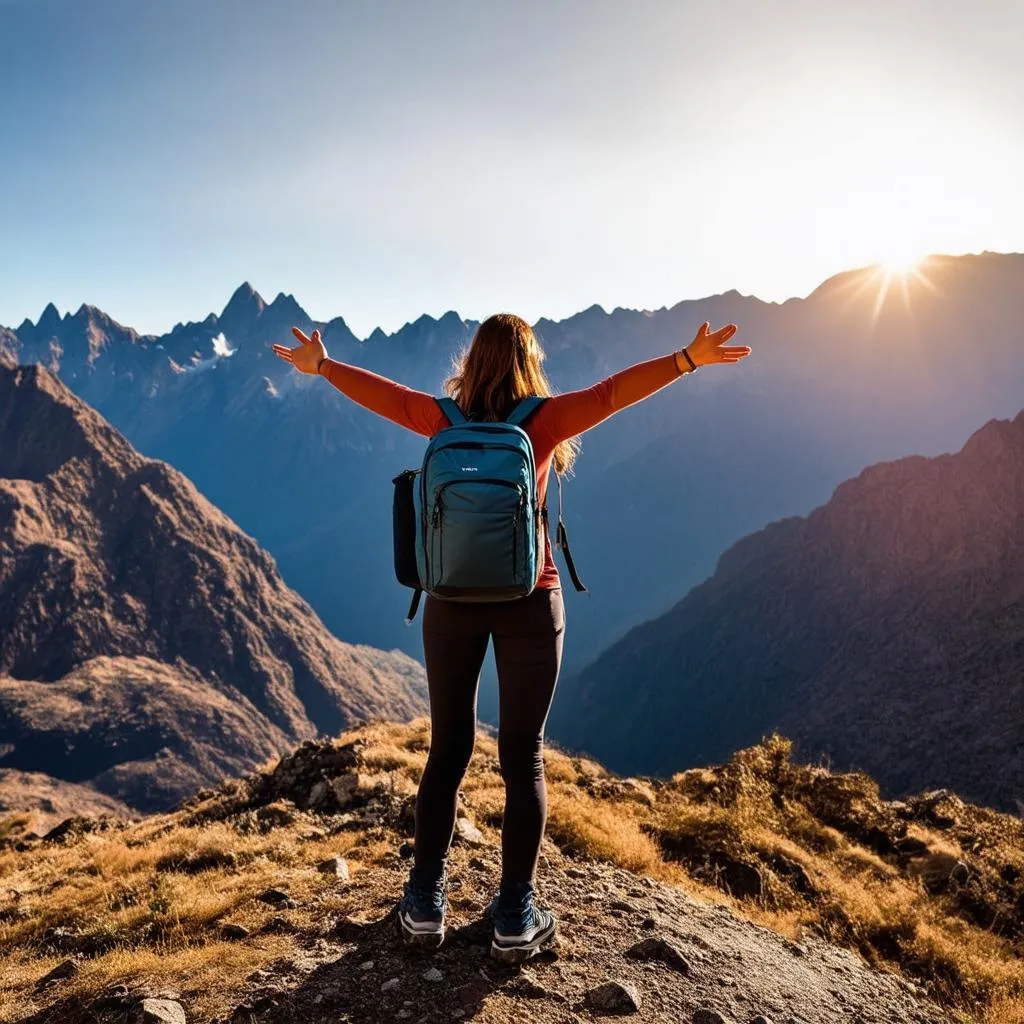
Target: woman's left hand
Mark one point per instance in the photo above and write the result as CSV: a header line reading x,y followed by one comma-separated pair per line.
x,y
308,356
710,346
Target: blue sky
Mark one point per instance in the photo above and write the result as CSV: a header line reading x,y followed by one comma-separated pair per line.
x,y
381,160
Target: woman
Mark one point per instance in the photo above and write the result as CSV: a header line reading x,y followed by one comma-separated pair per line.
x,y
501,366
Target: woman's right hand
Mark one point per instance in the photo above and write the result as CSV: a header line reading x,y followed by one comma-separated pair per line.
x,y
307,356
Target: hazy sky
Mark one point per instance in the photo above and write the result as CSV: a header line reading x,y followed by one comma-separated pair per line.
x,y
382,159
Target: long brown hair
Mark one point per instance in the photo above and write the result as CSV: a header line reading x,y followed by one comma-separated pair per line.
x,y
501,366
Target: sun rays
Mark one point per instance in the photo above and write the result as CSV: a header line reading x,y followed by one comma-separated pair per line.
x,y
899,270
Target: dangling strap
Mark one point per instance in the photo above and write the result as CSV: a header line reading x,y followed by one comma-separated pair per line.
x,y
562,542
413,606
523,410
452,411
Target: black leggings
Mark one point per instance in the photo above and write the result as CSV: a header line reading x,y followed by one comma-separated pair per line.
x,y
527,650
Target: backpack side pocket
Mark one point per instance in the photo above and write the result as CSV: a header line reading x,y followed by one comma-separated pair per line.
x,y
404,526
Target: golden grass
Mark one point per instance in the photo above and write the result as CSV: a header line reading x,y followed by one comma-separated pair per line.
x,y
146,903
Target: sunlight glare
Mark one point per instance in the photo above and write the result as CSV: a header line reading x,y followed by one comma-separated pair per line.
x,y
901,262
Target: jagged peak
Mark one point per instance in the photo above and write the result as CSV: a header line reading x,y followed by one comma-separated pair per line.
x,y
50,317
423,320
995,436
287,303
244,300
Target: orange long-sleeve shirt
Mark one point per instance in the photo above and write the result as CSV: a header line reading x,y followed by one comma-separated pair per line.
x,y
558,419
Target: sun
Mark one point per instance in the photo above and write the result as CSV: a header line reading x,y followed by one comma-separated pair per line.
x,y
899,262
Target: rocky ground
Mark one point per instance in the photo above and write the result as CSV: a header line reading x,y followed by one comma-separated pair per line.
x,y
271,900
628,946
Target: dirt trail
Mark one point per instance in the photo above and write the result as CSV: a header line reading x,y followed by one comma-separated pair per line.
x,y
727,965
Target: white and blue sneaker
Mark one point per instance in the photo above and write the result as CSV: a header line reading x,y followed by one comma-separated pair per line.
x,y
521,928
421,910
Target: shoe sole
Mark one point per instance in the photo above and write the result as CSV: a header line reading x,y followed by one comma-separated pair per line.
x,y
520,954
412,937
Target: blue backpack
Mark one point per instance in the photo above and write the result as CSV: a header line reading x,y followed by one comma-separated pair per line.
x,y
467,524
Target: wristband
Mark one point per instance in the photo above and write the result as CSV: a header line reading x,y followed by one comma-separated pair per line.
x,y
319,365
686,356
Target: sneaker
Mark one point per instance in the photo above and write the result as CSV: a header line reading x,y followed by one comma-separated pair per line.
x,y
521,928
421,911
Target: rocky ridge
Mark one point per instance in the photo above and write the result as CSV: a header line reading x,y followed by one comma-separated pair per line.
x,y
307,859
149,646
885,631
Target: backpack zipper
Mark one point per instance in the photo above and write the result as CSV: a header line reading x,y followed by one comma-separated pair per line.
x,y
527,455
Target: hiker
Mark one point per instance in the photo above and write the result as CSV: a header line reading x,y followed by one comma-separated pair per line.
x,y
501,367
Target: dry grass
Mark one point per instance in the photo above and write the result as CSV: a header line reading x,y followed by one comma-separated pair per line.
x,y
145,903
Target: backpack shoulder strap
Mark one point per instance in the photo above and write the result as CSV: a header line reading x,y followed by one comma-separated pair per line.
x,y
524,409
452,411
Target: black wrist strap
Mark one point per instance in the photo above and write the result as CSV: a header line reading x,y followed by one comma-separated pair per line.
x,y
686,356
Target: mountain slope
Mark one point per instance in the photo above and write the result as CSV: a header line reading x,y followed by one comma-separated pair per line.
x,y
885,629
140,623
759,887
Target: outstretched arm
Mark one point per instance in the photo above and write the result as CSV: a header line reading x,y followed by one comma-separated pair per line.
x,y
414,410
567,415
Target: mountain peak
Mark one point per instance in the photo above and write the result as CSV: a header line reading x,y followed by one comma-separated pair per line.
x,y
996,438
52,426
245,301
287,307
49,319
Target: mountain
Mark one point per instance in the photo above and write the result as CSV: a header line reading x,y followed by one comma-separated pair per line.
x,y
148,645
884,630
270,899
863,369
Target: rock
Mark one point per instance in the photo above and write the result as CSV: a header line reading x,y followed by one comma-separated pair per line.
x,y
277,898
279,923
346,788
576,872
795,873
472,994
67,969
617,997
366,965
390,985
318,794
530,988
662,950
909,846
336,866
229,930
623,906
468,834
960,873
159,1011
648,923
760,1020
432,974
709,1017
